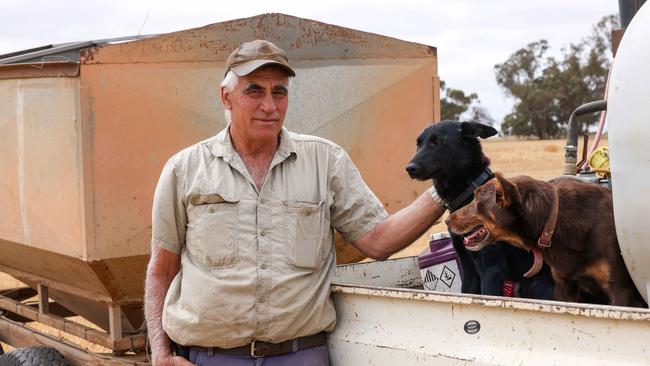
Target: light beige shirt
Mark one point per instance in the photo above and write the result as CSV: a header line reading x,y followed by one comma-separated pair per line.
x,y
256,265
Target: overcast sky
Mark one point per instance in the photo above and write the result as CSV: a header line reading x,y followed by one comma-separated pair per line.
x,y
471,35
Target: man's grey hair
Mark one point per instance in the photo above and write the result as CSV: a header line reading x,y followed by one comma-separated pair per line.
x,y
229,82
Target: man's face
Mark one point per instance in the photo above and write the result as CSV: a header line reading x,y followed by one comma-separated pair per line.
x,y
258,104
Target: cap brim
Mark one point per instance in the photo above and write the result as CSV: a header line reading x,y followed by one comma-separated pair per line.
x,y
250,66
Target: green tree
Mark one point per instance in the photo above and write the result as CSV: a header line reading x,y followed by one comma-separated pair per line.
x,y
547,89
456,105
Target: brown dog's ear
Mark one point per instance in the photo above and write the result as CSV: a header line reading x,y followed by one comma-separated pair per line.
x,y
506,192
475,129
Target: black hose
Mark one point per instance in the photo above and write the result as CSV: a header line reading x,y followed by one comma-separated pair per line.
x,y
627,9
571,147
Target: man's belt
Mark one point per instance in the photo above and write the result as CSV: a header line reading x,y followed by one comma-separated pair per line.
x,y
261,349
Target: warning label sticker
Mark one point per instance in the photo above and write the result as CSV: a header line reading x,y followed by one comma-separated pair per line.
x,y
430,280
447,276
441,277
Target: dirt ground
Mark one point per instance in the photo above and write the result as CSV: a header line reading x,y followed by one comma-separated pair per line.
x,y
539,159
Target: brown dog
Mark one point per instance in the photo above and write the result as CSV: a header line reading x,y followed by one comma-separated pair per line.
x,y
567,222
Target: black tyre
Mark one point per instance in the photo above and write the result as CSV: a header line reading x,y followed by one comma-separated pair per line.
x,y
33,356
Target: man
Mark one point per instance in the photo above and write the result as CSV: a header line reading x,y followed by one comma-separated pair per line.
x,y
242,241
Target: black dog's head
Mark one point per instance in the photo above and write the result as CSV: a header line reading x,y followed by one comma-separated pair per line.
x,y
449,149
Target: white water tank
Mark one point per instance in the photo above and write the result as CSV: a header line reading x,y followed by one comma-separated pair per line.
x,y
629,140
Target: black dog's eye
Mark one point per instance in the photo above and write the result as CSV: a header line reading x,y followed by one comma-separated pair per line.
x,y
418,144
433,140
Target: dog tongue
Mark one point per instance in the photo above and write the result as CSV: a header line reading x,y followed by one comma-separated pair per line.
x,y
473,236
538,261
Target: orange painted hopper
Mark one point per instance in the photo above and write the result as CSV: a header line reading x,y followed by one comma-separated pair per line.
x,y
82,142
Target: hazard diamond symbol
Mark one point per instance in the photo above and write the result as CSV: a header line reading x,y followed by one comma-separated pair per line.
x,y
447,276
430,280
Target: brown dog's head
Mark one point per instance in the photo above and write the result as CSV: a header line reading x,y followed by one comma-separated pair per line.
x,y
492,216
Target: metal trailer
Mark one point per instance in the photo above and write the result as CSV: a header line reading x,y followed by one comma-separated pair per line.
x,y
385,318
86,127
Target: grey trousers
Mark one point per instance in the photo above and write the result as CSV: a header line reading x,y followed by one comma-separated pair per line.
x,y
316,356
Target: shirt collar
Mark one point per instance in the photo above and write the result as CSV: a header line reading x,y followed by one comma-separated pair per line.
x,y
221,145
287,147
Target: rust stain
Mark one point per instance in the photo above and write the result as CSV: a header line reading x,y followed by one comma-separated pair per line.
x,y
48,69
88,54
305,39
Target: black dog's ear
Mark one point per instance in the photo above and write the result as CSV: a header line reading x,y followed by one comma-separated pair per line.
x,y
475,129
506,192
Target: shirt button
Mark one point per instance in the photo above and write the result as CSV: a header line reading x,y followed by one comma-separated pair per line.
x,y
263,266
211,210
262,201
263,233
262,299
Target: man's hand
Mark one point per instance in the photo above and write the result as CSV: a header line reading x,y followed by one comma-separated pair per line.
x,y
170,360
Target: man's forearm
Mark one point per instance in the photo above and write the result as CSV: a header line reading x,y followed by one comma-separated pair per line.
x,y
156,285
401,228
153,303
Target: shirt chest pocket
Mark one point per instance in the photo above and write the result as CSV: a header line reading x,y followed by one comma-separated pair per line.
x,y
212,236
305,230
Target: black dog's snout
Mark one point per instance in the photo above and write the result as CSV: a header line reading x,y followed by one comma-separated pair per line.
x,y
412,168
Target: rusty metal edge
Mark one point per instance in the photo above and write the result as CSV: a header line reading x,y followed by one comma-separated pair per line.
x,y
87,294
18,335
432,49
39,70
88,55
586,310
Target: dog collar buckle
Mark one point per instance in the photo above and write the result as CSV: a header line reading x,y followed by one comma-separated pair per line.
x,y
544,240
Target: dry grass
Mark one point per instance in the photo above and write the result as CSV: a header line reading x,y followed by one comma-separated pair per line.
x,y
511,157
551,148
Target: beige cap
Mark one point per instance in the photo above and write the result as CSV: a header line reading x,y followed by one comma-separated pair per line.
x,y
250,56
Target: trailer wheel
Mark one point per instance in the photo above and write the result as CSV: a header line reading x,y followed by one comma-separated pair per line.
x,y
33,356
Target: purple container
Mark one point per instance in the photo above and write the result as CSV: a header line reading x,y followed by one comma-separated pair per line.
x,y
439,265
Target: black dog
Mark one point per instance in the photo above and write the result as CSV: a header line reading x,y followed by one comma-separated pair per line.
x,y
450,154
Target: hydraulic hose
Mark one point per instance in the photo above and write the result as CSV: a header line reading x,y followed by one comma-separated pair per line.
x,y
571,147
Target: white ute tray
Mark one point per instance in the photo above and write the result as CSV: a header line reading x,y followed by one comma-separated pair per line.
x,y
389,325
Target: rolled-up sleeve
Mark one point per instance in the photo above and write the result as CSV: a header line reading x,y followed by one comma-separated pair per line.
x,y
355,209
169,217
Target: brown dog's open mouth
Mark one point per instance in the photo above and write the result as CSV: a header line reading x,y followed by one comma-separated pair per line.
x,y
474,237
